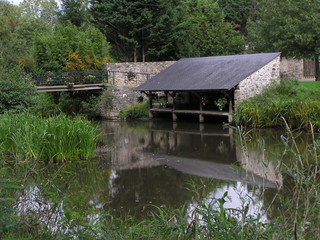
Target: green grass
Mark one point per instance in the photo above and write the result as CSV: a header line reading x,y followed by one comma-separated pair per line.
x,y
298,103
55,139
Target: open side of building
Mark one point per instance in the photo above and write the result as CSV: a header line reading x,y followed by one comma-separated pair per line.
x,y
210,86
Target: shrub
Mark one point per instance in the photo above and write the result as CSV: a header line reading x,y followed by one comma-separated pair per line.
x,y
139,110
16,92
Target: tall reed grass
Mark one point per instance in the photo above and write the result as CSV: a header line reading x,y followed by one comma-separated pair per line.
x,y
59,138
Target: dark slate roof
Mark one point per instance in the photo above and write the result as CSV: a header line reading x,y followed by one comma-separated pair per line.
x,y
207,73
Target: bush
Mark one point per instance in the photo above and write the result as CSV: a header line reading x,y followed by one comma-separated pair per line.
x,y
16,92
139,110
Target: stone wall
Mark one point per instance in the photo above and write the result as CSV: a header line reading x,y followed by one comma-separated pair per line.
x,y
291,68
122,98
133,74
256,82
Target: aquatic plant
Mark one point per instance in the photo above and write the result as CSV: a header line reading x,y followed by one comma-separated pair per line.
x,y
54,139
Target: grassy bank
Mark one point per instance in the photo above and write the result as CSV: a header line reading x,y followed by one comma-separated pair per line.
x,y
297,102
59,138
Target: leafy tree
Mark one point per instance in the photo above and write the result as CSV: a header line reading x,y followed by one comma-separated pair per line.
x,y
17,31
291,27
53,51
76,12
9,18
139,29
16,91
237,12
47,10
207,33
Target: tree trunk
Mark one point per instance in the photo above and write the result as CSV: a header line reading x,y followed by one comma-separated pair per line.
x,y
143,54
135,57
317,72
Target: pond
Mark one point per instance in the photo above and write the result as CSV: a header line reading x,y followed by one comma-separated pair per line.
x,y
141,165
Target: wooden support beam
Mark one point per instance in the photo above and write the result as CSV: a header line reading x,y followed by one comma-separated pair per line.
x,y
230,117
150,104
174,115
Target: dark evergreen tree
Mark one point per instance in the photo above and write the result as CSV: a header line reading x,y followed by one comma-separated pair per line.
x,y
237,12
206,31
144,30
75,11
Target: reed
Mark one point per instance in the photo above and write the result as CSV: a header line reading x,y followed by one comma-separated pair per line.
x,y
55,139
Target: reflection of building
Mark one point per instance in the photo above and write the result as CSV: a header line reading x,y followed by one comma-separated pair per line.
x,y
200,150
153,163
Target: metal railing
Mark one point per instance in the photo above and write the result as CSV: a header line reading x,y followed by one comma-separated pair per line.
x,y
88,77
67,78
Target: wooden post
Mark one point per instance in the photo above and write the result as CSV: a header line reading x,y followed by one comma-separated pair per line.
x,y
174,115
150,104
201,117
230,119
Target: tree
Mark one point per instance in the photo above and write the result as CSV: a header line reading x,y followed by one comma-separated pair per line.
x,y
139,29
52,51
17,31
290,27
237,12
76,12
207,33
47,10
16,91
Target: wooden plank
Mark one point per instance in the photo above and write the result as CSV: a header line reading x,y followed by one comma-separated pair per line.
x,y
64,88
169,110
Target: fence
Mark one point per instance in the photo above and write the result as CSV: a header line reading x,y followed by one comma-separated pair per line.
x,y
89,77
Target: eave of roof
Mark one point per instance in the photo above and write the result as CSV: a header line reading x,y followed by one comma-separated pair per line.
x,y
207,73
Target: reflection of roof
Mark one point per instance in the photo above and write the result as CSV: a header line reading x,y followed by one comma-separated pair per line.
x,y
209,169
207,73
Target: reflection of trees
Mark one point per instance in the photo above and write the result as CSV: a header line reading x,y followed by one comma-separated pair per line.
x,y
137,190
77,187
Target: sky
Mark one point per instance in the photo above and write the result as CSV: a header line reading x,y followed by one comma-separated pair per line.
x,y
15,2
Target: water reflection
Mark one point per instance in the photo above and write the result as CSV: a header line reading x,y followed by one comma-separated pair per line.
x,y
154,163
145,164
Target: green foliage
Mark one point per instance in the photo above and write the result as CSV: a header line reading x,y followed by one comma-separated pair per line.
x,y
139,110
16,92
139,30
44,105
76,12
207,33
51,51
8,218
298,103
53,139
237,12
290,27
45,10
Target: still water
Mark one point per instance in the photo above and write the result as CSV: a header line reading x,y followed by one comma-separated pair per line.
x,y
141,165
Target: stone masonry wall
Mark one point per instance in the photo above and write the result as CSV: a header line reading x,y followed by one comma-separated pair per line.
x,y
291,68
122,87
256,82
133,74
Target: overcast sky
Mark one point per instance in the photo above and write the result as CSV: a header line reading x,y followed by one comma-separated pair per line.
x,y
15,2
